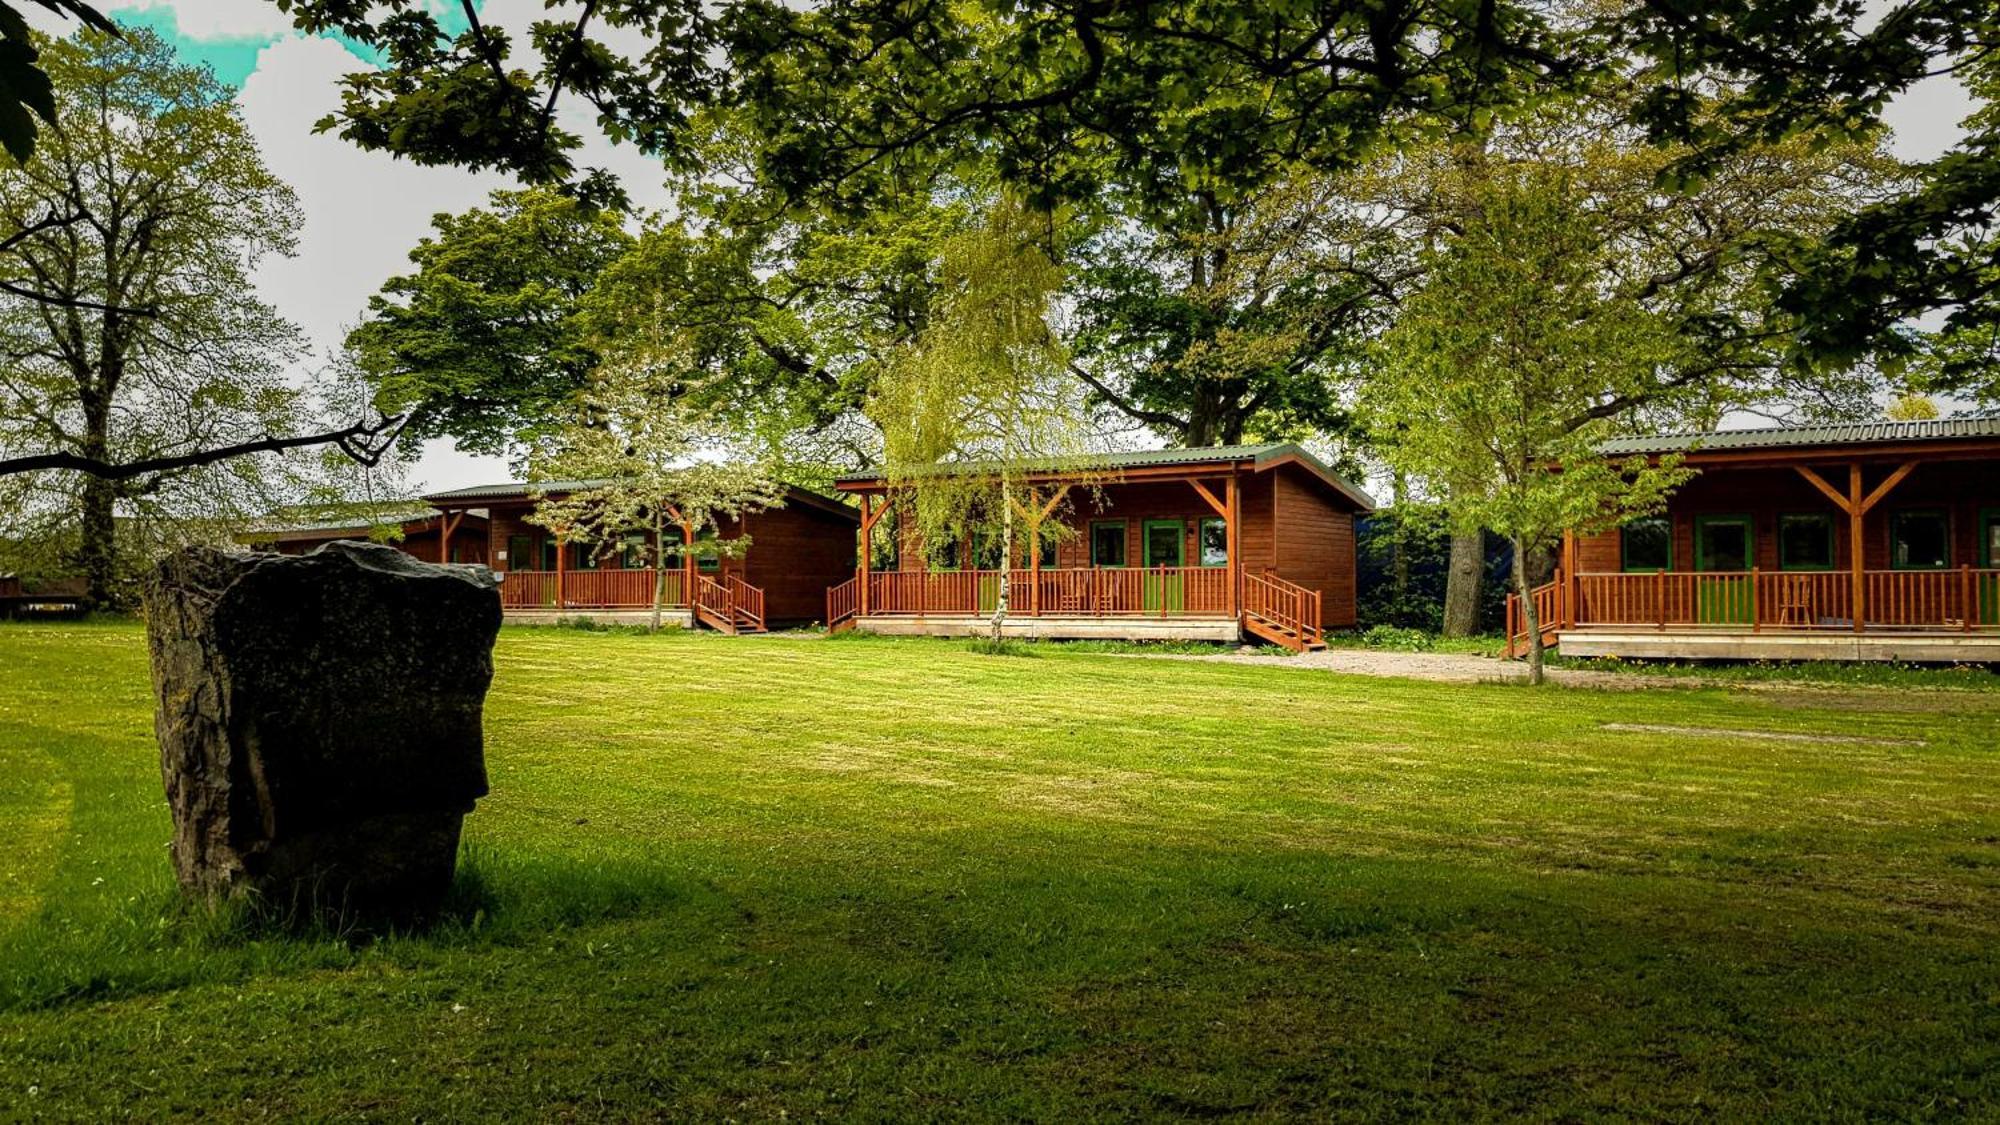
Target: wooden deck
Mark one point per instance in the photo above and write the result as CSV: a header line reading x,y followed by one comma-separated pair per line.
x,y
1919,615
1124,603
728,605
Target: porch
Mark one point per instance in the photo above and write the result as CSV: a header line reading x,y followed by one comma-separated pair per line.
x,y
625,595
1211,544
1919,615
1876,541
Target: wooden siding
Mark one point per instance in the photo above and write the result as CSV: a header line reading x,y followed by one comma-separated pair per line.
x,y
1314,543
1962,489
795,553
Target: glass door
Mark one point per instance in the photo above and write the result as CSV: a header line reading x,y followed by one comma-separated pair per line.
x,y
1989,558
1164,542
1724,547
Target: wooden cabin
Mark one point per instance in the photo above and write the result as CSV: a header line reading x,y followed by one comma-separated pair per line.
x,y
1201,544
1864,541
422,535
796,551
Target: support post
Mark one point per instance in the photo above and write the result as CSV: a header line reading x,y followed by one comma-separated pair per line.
x,y
866,537
1570,587
1855,512
562,549
1233,523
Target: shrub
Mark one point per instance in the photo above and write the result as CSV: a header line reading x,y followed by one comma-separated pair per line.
x,y
1398,639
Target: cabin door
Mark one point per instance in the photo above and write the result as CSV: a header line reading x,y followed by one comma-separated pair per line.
x,y
1723,549
1989,558
1164,589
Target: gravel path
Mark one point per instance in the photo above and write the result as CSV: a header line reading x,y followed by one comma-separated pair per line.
x,y
1443,667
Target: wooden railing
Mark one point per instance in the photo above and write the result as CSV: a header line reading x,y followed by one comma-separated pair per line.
x,y
843,604
1170,591
1759,600
1290,609
590,589
711,597
748,601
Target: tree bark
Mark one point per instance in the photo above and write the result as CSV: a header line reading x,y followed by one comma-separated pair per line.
x,y
97,526
1462,582
1529,620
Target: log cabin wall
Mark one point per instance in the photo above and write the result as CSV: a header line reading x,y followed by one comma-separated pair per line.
x,y
1315,542
1965,490
795,553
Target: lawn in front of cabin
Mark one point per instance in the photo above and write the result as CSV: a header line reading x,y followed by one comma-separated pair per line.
x,y
787,875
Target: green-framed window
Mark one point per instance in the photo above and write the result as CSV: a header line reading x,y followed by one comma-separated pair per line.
x,y
1805,541
632,551
1989,537
1107,543
1725,543
1213,541
583,556
549,551
520,552
1165,542
1051,541
1919,539
705,559
1646,545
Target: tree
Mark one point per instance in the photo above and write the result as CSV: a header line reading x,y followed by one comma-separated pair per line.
x,y
648,456
979,409
1493,379
1817,69
487,341
1211,320
25,89
131,348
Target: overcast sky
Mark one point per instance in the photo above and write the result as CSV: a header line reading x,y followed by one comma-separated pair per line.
x,y
364,211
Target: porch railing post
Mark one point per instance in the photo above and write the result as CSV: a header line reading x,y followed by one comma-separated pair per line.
x,y
1855,515
1967,610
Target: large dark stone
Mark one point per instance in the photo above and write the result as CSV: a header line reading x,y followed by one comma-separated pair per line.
x,y
319,723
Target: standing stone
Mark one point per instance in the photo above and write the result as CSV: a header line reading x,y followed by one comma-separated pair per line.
x,y
319,723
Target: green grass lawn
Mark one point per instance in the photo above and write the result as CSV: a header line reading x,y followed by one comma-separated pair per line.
x,y
787,876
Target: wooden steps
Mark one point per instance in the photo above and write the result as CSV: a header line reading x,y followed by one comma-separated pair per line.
x,y
734,607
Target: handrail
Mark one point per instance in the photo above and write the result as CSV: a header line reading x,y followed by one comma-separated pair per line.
x,y
843,603
1159,591
1964,598
747,600
1289,606
711,596
1548,615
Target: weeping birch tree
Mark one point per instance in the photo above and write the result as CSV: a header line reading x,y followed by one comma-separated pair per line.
x,y
979,411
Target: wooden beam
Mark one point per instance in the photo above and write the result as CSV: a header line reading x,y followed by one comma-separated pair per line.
x,y
1830,492
1858,583
1233,522
1221,509
1881,490
1049,508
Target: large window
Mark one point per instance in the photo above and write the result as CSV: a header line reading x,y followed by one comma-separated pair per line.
x,y
1989,537
548,554
632,551
1214,542
1919,539
1805,541
520,553
705,559
1647,544
1107,544
583,556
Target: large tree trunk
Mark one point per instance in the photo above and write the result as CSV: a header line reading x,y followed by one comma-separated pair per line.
x,y
1006,561
1462,582
1529,619
97,542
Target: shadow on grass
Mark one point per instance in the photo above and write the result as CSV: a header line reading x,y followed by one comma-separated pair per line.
x,y
161,940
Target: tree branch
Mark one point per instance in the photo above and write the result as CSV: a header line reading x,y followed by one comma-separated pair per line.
x,y
364,442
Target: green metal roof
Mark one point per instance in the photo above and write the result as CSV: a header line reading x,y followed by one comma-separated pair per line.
x,y
1959,428
522,490
1258,455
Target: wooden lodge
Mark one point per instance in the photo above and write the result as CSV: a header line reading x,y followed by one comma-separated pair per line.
x,y
796,551
422,534
1194,544
1866,541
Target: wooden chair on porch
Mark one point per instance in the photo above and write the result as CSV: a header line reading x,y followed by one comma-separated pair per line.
x,y
1795,600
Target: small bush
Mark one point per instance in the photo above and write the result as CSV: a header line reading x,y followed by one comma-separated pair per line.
x,y
1399,639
